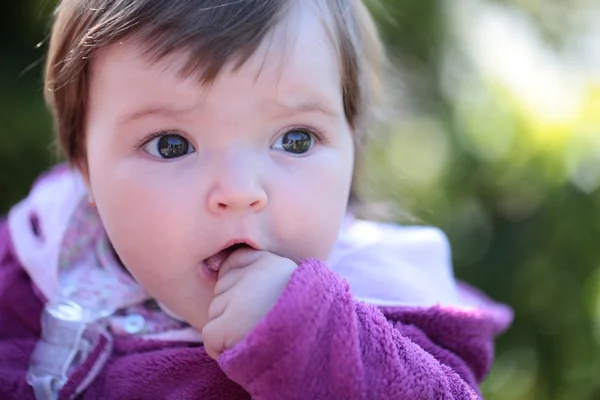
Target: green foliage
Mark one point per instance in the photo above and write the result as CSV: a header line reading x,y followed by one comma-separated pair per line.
x,y
514,188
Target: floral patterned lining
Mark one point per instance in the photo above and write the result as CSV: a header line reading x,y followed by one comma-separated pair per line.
x,y
89,270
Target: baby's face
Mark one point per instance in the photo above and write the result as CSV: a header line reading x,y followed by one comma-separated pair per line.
x,y
178,171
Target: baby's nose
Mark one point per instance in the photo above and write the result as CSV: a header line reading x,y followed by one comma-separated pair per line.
x,y
237,189
229,200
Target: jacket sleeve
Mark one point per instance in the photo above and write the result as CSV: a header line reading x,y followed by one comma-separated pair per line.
x,y
318,342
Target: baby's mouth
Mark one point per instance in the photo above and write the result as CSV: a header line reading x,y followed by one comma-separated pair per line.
x,y
215,262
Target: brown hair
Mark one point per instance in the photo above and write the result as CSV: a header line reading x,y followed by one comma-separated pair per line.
x,y
212,32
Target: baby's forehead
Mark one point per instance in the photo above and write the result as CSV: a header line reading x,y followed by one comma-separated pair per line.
x,y
297,55
292,34
294,70
299,42
298,51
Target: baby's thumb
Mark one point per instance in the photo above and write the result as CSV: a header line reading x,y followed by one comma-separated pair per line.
x,y
239,259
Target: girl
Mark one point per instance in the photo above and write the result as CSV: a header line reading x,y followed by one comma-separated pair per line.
x,y
182,254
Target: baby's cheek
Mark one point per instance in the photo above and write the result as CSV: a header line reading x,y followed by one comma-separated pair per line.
x,y
311,235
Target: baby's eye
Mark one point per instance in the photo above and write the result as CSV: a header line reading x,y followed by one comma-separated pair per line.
x,y
168,146
295,142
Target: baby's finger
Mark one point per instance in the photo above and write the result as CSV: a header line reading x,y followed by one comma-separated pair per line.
x,y
239,259
213,336
227,281
218,306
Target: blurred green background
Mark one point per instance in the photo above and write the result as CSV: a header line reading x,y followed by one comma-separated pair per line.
x,y
495,138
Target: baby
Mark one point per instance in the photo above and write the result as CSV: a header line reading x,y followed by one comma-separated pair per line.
x,y
200,243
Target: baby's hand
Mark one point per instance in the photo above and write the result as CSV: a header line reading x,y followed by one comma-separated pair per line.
x,y
249,284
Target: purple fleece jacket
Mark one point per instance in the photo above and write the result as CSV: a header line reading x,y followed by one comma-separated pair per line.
x,y
317,343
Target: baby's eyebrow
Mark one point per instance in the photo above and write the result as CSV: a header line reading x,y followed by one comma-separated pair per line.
x,y
155,110
285,109
305,107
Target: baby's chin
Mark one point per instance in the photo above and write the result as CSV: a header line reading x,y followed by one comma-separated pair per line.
x,y
192,312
